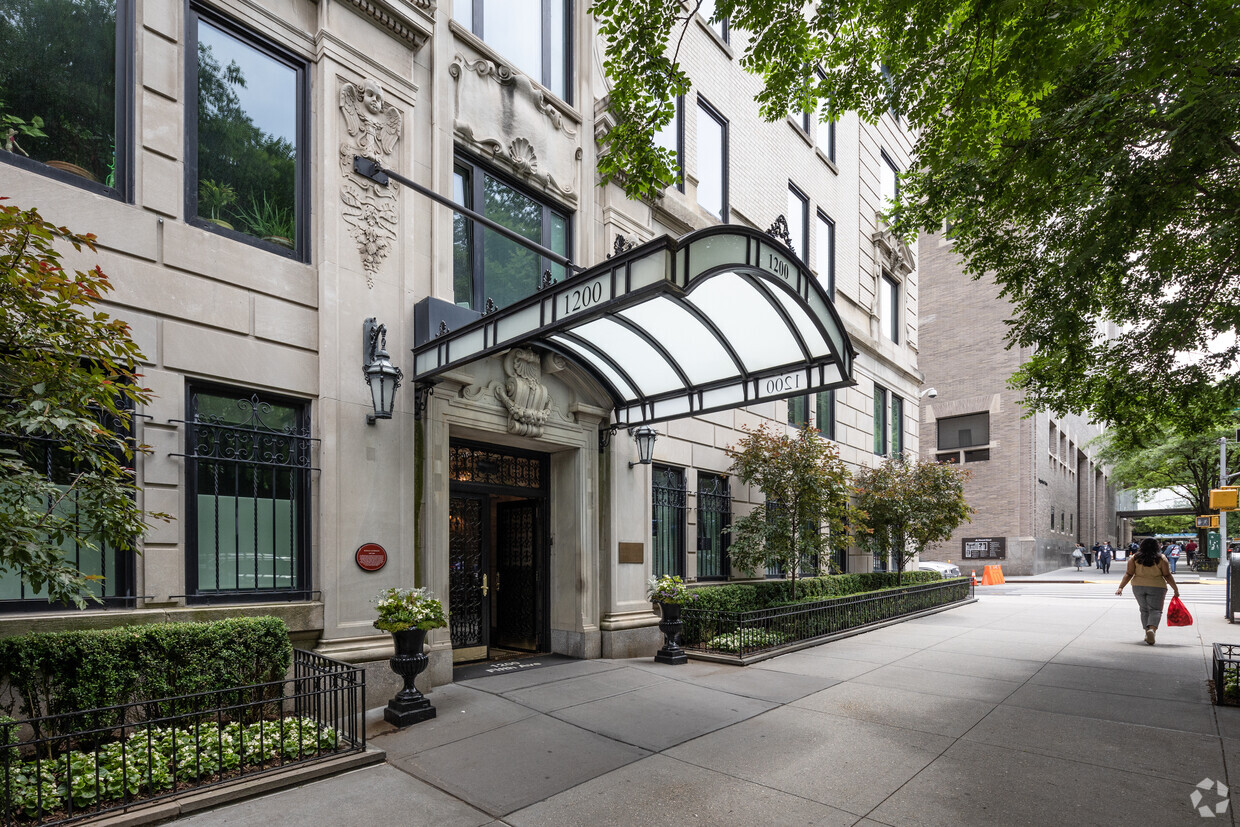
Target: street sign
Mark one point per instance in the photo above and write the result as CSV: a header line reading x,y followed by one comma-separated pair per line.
x,y
1207,521
1214,545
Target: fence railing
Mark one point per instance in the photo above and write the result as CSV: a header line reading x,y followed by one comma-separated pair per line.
x,y
743,634
101,760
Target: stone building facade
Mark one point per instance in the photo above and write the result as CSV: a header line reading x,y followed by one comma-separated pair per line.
x,y
1034,481
249,303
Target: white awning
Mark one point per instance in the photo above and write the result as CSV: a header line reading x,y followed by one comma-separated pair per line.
x,y
721,318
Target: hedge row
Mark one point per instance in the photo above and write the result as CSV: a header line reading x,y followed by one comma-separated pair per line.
x,y
747,597
52,673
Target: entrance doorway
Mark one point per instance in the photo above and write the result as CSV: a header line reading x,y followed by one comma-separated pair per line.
x,y
497,552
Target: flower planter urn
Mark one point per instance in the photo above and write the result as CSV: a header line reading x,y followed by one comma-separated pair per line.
x,y
670,625
409,706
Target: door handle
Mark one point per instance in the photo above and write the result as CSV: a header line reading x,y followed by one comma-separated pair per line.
x,y
484,585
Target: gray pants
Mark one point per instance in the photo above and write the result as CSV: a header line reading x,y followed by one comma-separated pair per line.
x,y
1150,599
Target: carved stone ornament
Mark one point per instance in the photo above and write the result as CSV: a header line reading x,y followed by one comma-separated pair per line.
x,y
528,401
370,210
891,252
492,101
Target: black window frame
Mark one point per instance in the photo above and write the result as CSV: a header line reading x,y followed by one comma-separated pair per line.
x,y
195,12
830,125
830,224
124,127
940,442
892,285
801,244
722,493
800,403
882,412
304,571
478,234
896,424
678,120
829,407
674,503
478,28
895,173
724,32
704,106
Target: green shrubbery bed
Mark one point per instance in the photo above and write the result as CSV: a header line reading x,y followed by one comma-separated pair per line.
x,y
748,597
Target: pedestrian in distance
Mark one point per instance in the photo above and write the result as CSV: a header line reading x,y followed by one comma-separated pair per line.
x,y
1104,559
1078,556
1150,573
1190,551
1173,555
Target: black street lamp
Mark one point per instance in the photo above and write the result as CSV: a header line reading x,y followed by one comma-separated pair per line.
x,y
381,375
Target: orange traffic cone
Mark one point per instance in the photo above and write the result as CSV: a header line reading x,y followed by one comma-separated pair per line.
x,y
974,578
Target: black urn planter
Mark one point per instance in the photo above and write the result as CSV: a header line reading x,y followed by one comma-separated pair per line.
x,y
670,625
409,706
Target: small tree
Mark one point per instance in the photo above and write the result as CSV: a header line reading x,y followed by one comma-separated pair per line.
x,y
805,484
902,506
67,377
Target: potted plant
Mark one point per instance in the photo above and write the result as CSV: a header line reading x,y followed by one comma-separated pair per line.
x,y
408,614
213,197
671,593
267,220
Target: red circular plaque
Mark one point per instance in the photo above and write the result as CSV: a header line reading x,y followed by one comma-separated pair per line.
x,y
370,557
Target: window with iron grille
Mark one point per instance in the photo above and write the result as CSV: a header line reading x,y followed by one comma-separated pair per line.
x,y
714,515
113,568
248,496
668,521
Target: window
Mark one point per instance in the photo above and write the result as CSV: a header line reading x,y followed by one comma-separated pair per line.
x,y
798,411
1070,519
888,182
880,420
1061,521
714,515
825,404
672,138
1052,518
63,64
533,34
798,222
667,542
487,265
963,431
115,569
897,425
712,161
826,135
248,477
889,307
246,137
825,258
719,27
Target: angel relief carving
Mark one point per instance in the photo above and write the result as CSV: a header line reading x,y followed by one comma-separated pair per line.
x,y
374,128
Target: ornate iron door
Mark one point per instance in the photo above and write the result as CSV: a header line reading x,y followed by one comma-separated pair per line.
x,y
518,608
468,559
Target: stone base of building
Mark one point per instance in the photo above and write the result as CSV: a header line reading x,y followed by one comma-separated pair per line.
x,y
584,645
639,642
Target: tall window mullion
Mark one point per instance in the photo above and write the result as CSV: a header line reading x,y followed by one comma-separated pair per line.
x,y
668,521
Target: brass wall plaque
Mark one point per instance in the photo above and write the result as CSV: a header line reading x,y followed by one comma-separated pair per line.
x,y
632,552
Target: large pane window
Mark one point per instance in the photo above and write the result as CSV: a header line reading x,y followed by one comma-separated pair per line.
x,y
826,135
889,307
880,420
667,541
798,411
672,138
714,515
798,222
964,431
720,26
489,266
897,425
533,34
712,161
825,404
247,135
60,109
112,569
889,182
249,492
824,258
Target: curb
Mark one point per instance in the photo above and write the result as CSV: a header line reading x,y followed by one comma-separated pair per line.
x,y
239,791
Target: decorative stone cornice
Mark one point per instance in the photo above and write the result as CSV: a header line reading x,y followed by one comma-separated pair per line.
x,y
892,252
397,21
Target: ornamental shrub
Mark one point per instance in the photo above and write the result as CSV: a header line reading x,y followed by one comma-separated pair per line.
x,y
54,673
747,597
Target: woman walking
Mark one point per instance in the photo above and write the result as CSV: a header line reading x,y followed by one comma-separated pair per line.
x,y
1150,574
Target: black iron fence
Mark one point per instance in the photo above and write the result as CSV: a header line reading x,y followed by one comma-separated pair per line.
x,y
1227,674
96,761
743,634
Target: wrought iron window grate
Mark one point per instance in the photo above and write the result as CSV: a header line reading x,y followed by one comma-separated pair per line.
x,y
714,517
668,521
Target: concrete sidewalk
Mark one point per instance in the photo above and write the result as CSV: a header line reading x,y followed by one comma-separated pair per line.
x,y
1012,710
1089,574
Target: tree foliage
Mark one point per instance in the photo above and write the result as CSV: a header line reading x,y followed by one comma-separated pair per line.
x,y
68,376
1087,155
806,510
903,505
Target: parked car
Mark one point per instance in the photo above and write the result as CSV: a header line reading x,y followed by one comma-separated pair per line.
x,y
945,569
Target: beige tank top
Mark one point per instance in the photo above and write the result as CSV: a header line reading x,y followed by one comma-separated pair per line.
x,y
1148,576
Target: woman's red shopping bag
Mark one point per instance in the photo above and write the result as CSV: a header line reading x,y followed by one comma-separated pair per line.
x,y
1177,613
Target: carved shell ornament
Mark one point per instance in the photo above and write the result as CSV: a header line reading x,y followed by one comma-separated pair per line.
x,y
523,158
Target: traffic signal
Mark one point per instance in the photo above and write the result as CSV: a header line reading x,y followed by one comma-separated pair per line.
x,y
1225,499
1207,521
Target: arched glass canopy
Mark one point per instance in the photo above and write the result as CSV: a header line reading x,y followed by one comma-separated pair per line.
x,y
721,318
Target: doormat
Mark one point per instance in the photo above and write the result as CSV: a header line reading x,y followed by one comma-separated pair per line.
x,y
489,669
